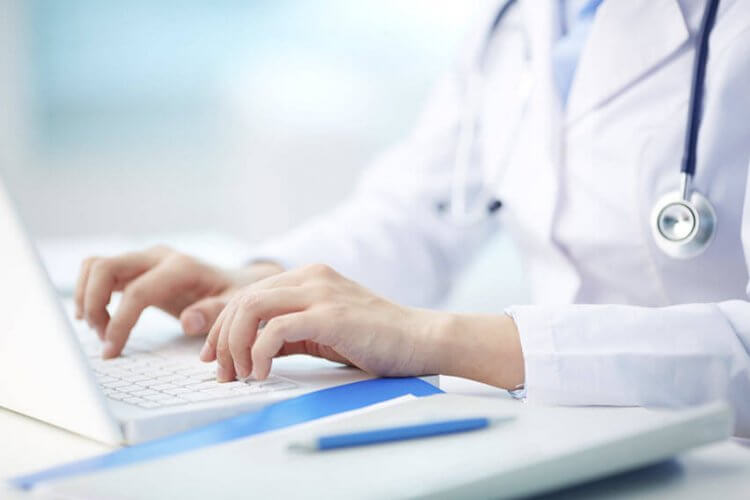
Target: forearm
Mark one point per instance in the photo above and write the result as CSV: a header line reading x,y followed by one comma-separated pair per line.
x,y
485,348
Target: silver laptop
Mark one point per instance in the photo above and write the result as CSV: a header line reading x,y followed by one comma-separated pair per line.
x,y
52,372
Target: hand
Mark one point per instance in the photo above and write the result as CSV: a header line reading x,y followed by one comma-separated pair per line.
x,y
316,311
181,285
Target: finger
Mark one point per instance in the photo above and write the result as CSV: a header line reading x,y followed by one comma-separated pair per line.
x,y
83,277
295,277
105,276
208,352
280,330
312,349
225,371
137,296
292,348
252,308
198,318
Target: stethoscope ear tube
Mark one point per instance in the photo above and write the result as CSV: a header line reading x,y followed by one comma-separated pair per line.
x,y
457,209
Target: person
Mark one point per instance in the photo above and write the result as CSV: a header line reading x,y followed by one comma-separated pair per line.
x,y
598,138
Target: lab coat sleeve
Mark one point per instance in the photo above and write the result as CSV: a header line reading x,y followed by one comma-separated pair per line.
x,y
670,356
637,356
389,235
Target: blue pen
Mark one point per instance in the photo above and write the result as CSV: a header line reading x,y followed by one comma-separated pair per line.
x,y
389,434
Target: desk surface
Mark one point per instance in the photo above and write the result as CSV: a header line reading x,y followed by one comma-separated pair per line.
x,y
721,470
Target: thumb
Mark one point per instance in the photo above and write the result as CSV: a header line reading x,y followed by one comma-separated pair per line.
x,y
198,318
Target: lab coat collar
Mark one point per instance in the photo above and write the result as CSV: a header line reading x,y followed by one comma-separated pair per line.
x,y
627,39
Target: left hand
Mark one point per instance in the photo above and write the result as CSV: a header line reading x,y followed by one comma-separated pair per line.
x,y
316,311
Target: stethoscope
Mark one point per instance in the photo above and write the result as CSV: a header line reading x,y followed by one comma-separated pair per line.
x,y
683,222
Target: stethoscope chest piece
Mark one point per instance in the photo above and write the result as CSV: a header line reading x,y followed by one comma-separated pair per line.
x,y
682,228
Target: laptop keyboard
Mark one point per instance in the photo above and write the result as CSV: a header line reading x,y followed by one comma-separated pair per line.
x,y
155,377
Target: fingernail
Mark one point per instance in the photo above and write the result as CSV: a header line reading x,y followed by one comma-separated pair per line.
x,y
204,351
239,371
254,374
195,322
222,373
108,349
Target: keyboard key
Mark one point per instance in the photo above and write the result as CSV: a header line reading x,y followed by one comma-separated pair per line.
x,y
153,384
230,385
152,372
203,385
188,382
158,397
148,383
172,378
137,366
172,401
162,387
198,396
191,371
130,389
176,391
144,392
171,365
115,384
150,358
121,361
221,393
116,372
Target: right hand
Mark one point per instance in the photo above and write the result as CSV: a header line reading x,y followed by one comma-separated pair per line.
x,y
186,288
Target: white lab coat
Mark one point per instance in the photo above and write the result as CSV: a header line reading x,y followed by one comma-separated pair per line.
x,y
613,320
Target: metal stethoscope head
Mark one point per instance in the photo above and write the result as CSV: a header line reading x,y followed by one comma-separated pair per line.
x,y
683,224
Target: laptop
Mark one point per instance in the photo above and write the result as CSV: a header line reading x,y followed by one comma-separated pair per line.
x,y
51,371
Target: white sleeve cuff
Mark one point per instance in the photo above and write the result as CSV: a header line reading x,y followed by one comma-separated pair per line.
x,y
624,355
542,373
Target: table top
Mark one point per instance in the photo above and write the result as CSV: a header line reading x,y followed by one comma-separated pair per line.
x,y
721,469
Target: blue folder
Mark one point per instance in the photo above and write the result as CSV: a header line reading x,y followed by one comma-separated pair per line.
x,y
293,411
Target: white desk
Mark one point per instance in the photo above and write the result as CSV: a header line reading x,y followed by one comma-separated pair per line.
x,y
720,470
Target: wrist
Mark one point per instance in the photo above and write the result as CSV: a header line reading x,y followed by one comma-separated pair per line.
x,y
480,347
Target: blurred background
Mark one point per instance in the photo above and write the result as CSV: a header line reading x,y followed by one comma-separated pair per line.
x,y
130,120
